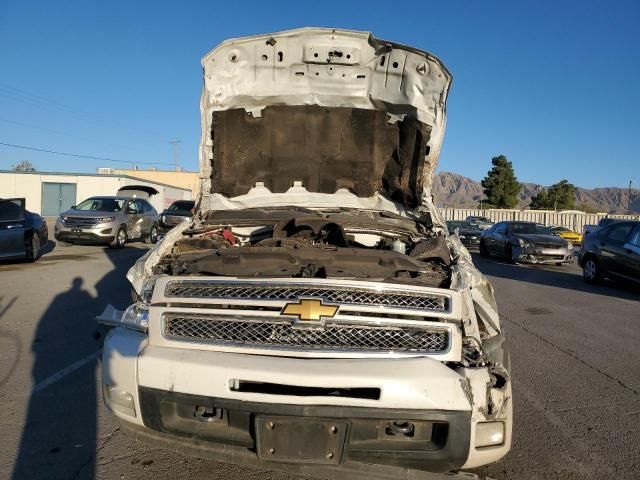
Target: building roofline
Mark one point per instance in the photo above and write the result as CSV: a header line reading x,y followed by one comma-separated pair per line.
x,y
118,175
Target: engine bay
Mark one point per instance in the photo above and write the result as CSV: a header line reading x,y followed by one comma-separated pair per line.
x,y
302,243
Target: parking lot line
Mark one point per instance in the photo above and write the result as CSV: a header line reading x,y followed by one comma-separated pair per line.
x,y
60,374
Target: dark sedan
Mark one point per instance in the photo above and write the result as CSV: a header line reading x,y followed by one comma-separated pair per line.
x,y
525,242
468,232
175,214
22,233
612,251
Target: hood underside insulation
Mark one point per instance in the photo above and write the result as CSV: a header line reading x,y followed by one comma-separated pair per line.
x,y
327,148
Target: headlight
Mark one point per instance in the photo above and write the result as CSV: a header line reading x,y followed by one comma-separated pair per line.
x,y
136,317
62,219
461,236
570,246
105,220
163,219
521,242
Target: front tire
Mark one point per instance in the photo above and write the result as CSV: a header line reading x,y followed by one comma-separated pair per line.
x,y
591,271
483,249
152,238
119,239
32,247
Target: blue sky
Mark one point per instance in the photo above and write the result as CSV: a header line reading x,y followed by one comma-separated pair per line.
x,y
554,85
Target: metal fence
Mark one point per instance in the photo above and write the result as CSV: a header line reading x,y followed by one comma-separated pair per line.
x,y
573,221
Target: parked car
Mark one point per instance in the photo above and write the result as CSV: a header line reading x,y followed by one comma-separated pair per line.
x,y
108,220
587,229
22,233
525,242
613,252
315,315
175,214
468,232
567,234
483,222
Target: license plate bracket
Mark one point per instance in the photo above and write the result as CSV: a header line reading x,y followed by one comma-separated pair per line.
x,y
300,440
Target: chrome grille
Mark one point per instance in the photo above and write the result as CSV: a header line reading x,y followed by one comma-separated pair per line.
x,y
338,295
80,222
269,333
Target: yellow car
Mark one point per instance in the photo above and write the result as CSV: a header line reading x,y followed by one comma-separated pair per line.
x,y
573,237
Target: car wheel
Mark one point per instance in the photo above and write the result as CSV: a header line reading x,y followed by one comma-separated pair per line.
x,y
483,249
33,247
153,235
120,238
591,271
508,254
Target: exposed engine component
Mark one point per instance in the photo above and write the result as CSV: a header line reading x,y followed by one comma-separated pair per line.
x,y
312,245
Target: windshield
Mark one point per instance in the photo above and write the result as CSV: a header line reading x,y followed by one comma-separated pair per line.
x,y
529,228
180,206
561,229
101,205
453,224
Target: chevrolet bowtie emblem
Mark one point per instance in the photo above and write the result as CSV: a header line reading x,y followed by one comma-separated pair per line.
x,y
310,310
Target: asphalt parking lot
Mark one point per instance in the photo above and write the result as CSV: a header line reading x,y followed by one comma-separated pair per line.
x,y
574,353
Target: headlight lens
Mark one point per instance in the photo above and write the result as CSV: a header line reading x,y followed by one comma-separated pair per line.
x,y
62,219
105,220
570,246
521,242
136,317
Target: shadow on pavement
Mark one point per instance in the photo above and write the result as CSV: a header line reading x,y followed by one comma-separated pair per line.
x,y
7,340
59,434
553,276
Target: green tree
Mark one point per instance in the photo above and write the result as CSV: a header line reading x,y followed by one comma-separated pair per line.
x,y
501,185
559,196
23,166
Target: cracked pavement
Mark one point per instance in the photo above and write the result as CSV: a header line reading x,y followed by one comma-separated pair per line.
x,y
573,350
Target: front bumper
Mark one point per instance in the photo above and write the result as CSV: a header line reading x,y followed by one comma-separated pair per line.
x,y
470,242
103,233
542,255
167,386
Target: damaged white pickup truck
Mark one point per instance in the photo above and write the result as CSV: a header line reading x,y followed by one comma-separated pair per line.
x,y
315,315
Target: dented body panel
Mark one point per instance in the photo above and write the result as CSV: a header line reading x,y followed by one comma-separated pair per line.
x,y
317,281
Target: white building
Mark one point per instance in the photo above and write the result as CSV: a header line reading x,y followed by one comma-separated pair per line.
x,y
49,193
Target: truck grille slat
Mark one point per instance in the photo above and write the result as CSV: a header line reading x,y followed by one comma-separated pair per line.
x,y
339,295
271,333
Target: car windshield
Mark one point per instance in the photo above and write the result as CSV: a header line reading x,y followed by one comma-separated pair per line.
x,y
529,228
180,206
101,205
452,225
561,229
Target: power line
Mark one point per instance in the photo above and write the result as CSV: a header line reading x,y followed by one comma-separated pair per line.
x,y
91,157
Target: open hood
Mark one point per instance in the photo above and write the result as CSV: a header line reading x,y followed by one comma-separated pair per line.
x,y
334,110
137,191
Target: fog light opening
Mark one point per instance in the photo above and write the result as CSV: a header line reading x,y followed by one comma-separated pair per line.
x,y
119,400
489,434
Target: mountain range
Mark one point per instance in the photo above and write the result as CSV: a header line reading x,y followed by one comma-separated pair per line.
x,y
454,190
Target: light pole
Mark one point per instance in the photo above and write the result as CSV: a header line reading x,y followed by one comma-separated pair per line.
x,y
629,199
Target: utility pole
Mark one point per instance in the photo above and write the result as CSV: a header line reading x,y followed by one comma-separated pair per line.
x,y
629,199
176,159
